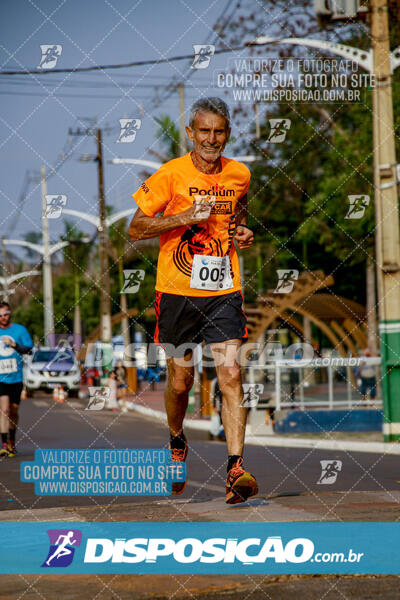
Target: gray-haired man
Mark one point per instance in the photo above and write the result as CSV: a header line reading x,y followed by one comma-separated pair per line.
x,y
203,200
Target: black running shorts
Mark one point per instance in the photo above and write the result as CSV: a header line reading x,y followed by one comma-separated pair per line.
x,y
12,390
190,320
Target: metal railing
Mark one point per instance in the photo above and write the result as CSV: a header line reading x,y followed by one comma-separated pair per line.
x,y
339,389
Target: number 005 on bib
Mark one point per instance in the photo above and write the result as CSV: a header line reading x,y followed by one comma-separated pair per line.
x,y
211,273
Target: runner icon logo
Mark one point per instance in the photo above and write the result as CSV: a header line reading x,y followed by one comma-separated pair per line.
x,y
132,280
251,394
202,56
287,279
129,127
50,55
98,397
65,341
279,129
330,470
62,547
54,205
358,205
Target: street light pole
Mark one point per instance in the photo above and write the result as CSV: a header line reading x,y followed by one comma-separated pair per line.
x,y
4,258
47,280
387,220
182,133
105,304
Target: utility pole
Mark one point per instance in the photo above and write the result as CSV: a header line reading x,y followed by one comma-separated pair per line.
x,y
5,274
47,278
257,119
104,278
182,133
387,220
105,304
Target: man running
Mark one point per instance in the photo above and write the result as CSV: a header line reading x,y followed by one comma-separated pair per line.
x,y
203,200
62,550
14,341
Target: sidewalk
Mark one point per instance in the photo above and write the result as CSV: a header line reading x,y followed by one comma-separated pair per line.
x,y
150,402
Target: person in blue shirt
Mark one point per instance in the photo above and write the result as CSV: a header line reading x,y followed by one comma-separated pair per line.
x,y
14,342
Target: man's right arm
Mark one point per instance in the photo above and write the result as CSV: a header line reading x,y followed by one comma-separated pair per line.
x,y
143,227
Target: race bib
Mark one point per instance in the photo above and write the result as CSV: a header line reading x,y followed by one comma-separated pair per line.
x,y
8,365
211,273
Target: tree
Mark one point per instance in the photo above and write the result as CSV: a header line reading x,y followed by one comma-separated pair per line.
x,y
300,188
167,135
118,238
76,255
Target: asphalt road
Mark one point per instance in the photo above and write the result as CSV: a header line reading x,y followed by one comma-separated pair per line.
x,y
279,471
367,489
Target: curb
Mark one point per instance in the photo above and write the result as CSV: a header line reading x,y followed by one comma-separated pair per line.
x,y
283,442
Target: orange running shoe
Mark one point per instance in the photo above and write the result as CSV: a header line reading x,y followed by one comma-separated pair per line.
x,y
179,455
11,450
4,449
240,484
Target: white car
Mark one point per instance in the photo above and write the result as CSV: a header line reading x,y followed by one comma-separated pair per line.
x,y
48,367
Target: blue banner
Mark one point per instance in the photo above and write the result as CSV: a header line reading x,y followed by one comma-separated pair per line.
x,y
82,472
201,548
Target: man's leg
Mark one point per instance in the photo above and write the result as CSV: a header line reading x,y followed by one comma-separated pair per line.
x,y
180,381
15,399
229,377
14,416
4,424
240,484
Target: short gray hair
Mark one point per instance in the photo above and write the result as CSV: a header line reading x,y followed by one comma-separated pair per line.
x,y
214,105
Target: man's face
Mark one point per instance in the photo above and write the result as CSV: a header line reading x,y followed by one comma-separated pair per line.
x,y
209,135
5,315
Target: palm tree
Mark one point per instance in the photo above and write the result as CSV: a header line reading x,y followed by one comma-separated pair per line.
x,y
118,238
77,255
168,137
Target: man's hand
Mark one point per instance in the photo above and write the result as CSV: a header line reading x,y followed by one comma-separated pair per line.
x,y
197,213
244,237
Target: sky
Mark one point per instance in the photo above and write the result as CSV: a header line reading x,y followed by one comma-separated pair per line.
x,y
38,110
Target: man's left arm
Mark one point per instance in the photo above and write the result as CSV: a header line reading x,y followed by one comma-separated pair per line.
x,y
244,236
24,344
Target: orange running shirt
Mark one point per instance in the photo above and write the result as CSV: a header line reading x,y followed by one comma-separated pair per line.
x,y
171,190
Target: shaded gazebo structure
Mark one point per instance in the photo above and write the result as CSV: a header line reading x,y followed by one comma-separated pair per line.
x,y
342,320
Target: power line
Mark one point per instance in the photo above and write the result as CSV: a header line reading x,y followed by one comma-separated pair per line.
x,y
138,63
212,37
91,84
59,94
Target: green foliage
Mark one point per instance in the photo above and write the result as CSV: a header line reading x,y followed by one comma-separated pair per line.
x,y
144,299
168,137
300,188
77,253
